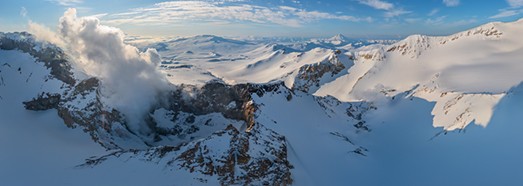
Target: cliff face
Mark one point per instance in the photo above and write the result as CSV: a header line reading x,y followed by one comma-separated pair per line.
x,y
309,77
257,157
254,158
53,57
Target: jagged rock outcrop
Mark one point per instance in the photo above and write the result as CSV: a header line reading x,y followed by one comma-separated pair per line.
x,y
189,108
415,45
355,110
52,56
82,106
257,157
245,158
309,76
412,46
43,102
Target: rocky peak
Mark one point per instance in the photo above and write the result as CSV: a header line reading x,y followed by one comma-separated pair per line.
x,y
246,158
412,46
489,30
415,45
53,57
373,54
338,39
310,75
44,101
243,163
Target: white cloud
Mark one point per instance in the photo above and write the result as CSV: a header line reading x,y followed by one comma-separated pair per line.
x,y
451,3
23,12
99,15
308,16
515,3
179,11
440,21
395,13
391,10
43,33
435,21
505,13
433,12
412,20
67,2
514,9
377,4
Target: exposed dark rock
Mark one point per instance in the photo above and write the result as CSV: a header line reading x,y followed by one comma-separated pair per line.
x,y
232,101
86,86
270,165
190,119
260,156
361,125
102,123
53,57
310,75
44,101
360,151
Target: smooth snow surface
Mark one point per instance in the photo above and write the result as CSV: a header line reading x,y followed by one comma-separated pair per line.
x,y
466,74
403,148
37,146
406,150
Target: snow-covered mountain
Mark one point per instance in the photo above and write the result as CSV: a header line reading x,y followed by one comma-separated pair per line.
x,y
216,111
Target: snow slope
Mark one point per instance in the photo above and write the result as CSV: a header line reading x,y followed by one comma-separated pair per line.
x,y
38,149
466,74
35,144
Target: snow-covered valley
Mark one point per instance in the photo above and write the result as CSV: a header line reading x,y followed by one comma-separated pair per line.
x,y
90,107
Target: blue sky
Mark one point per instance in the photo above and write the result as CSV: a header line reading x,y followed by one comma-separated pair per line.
x,y
307,18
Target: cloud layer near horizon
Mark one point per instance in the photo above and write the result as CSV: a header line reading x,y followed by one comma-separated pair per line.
x,y
179,11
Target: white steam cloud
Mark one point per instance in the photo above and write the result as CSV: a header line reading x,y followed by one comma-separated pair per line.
x,y
43,33
130,79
